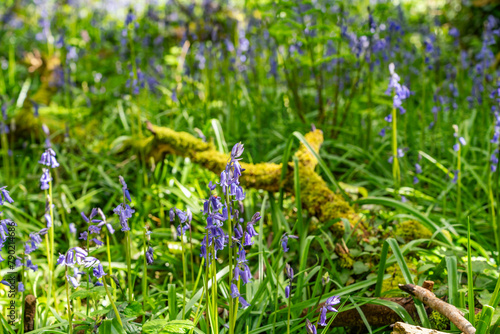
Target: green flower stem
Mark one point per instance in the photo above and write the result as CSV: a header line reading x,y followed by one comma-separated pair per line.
x,y
184,269
459,183
112,302
108,252
215,312
288,321
230,236
129,264
51,237
144,277
395,162
207,275
88,275
70,316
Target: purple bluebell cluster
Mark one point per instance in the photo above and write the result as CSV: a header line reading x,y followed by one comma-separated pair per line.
x,y
460,140
5,224
49,158
149,255
284,241
34,241
5,196
185,218
95,226
76,257
418,170
123,210
399,92
217,210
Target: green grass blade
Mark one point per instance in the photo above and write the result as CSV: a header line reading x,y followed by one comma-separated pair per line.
x,y
219,136
485,319
433,227
407,275
322,164
470,282
381,269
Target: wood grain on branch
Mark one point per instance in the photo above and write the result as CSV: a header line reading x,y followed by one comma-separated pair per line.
x,y
451,312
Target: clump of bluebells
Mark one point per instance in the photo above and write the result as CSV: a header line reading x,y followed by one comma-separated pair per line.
x,y
399,93
220,210
76,257
5,223
123,210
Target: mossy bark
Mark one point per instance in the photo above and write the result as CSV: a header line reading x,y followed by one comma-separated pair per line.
x,y
317,197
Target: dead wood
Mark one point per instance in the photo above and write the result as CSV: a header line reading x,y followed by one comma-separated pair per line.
x,y
317,197
448,310
29,313
404,328
376,315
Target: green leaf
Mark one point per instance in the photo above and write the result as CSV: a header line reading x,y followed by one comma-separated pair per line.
x,y
359,267
417,214
322,164
94,293
158,326
134,309
109,326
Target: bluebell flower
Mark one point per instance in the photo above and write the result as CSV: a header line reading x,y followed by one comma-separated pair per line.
x,y
98,242
287,291
61,260
74,283
124,212
494,161
125,190
4,196
45,179
94,229
83,236
20,287
311,329
48,219
98,271
251,230
418,169
247,240
322,317
243,302
149,255
334,300
31,265
234,291
4,282
72,228
238,231
49,158
284,241
34,241
400,92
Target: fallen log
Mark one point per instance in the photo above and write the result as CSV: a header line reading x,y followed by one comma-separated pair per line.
x,y
403,328
29,313
317,197
451,312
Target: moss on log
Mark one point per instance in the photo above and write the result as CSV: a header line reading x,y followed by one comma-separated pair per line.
x,y
317,197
